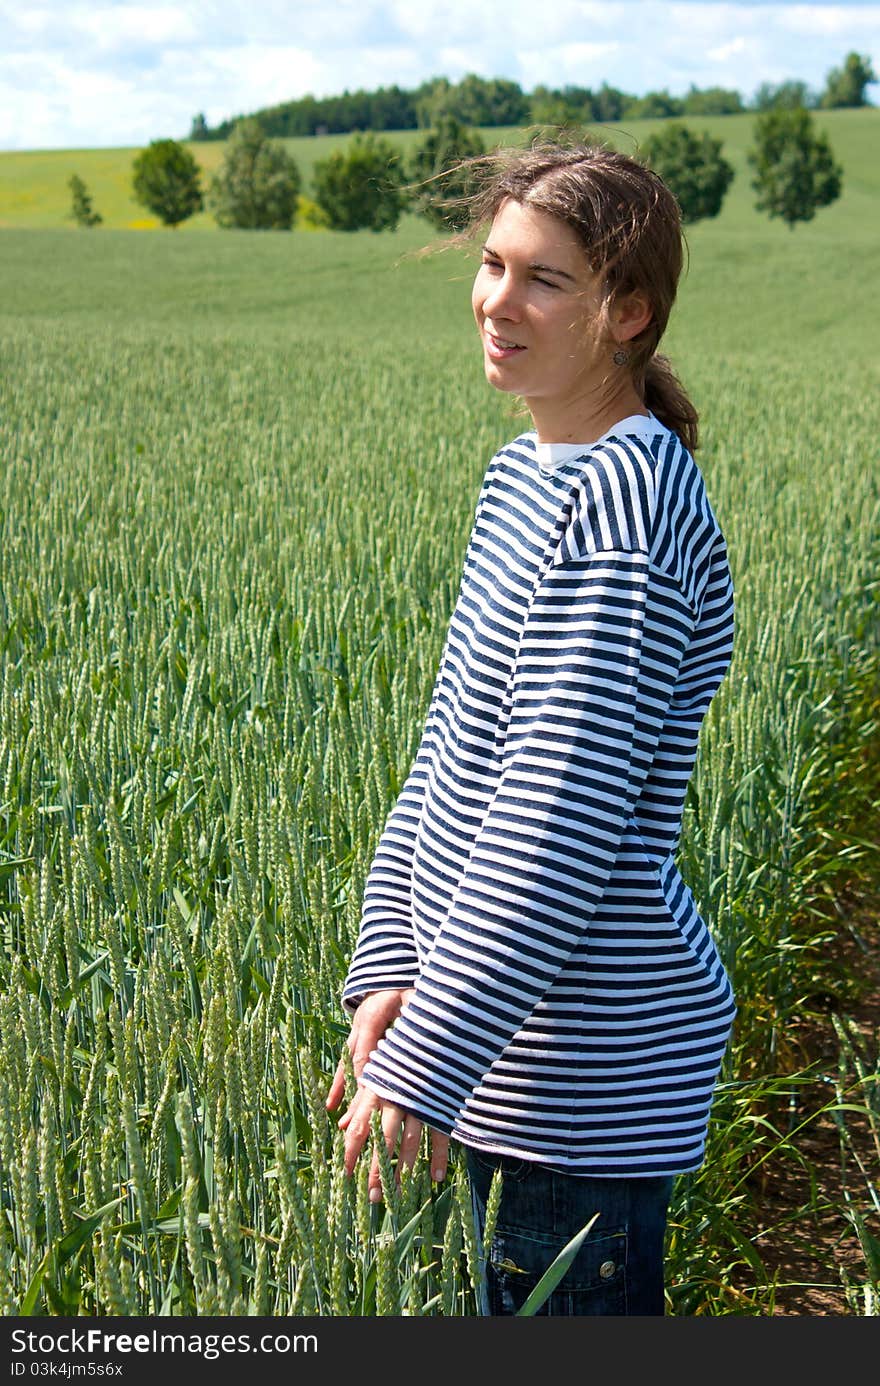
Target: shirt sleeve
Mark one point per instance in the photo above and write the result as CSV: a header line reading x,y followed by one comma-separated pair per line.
x,y
594,675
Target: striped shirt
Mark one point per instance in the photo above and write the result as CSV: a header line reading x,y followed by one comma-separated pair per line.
x,y
570,1006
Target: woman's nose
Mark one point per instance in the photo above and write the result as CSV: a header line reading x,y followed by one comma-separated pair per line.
x,y
502,299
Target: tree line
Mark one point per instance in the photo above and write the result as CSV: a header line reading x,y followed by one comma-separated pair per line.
x,y
480,101
370,184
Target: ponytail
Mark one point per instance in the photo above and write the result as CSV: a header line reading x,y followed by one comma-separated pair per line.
x,y
666,398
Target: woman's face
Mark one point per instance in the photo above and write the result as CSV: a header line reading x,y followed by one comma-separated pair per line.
x,y
538,307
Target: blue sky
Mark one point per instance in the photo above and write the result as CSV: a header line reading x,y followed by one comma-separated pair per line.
x,y
123,72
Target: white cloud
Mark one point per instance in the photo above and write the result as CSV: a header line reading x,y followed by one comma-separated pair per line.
x,y
830,20
60,97
456,63
519,23
113,27
233,75
578,64
724,51
124,73
36,20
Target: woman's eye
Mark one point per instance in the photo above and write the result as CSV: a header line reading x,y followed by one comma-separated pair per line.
x,y
547,282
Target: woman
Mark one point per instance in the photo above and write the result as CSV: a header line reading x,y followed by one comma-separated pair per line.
x,y
532,977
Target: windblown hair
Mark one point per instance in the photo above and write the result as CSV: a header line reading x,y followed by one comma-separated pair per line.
x,y
629,224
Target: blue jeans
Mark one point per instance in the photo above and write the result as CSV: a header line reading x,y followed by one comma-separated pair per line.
x,y
619,1267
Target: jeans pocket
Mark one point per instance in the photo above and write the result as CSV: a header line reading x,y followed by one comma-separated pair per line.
x,y
594,1283
485,1163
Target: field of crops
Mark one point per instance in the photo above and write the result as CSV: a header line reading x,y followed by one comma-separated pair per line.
x,y
238,475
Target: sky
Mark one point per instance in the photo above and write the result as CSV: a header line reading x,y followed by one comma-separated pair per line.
x,y
116,73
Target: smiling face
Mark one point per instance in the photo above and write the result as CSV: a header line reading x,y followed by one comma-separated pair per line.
x,y
545,332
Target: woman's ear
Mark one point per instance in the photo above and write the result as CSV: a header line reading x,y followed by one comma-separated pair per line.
x,y
629,315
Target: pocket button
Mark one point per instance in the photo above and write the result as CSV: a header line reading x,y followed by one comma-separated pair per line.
x,y
607,1269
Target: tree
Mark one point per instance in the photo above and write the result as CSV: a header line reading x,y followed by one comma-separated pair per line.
x,y
493,101
709,101
693,168
361,186
167,180
787,96
795,170
474,101
846,85
609,103
565,108
258,183
432,100
656,105
443,185
199,128
548,107
82,211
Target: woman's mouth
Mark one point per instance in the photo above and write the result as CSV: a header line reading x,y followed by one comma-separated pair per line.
x,y
499,348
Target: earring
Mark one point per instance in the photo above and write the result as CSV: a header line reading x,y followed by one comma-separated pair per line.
x,y
620,357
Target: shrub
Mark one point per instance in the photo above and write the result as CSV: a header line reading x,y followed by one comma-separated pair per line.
x,y
258,184
795,170
361,187
309,216
82,210
442,184
846,85
167,180
693,168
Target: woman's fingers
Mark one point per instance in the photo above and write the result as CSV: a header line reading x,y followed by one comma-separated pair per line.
x,y
394,1121
374,1015
410,1140
356,1125
439,1155
336,1091
337,1088
402,1133
362,1045
362,1040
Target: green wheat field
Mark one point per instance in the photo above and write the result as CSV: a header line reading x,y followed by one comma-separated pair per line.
x,y
237,476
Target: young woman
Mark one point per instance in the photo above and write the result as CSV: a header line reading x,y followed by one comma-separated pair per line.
x,y
532,977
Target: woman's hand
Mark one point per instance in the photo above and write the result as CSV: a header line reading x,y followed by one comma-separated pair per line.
x,y
402,1131
376,1013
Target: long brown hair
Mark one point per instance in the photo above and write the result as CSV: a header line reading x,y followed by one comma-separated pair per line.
x,y
629,224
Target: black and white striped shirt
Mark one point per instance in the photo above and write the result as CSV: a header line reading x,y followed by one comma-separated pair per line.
x,y
570,1006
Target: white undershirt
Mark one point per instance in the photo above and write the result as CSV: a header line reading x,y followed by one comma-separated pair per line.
x,y
551,456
